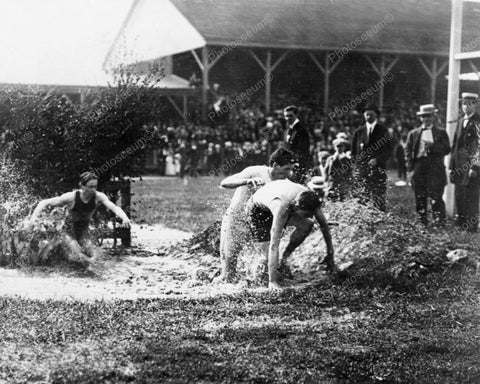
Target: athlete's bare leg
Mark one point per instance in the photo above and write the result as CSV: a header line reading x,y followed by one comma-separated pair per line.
x,y
76,253
231,243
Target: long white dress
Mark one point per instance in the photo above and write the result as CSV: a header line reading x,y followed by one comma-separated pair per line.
x,y
170,165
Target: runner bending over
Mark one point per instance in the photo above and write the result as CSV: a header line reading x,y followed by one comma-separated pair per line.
x,y
280,204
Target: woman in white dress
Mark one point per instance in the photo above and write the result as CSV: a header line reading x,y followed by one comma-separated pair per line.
x,y
170,164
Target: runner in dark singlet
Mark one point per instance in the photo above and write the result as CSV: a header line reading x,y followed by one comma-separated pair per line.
x,y
81,205
78,219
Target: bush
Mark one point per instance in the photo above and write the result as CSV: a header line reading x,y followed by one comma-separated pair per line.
x,y
46,141
53,140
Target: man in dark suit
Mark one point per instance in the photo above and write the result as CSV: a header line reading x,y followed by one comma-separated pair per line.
x,y
465,164
425,151
297,139
371,147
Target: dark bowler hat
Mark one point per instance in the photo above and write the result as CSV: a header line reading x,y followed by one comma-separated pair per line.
x,y
371,107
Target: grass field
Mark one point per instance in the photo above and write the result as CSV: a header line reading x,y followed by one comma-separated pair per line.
x,y
359,336
194,206
355,335
169,201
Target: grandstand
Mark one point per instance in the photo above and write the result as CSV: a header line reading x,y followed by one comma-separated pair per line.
x,y
379,33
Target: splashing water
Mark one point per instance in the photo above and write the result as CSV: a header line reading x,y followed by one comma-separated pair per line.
x,y
24,243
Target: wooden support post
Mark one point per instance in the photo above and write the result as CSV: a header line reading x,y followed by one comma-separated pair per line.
x,y
453,88
268,81
268,69
326,70
185,108
177,108
381,90
433,83
205,82
205,66
433,72
382,72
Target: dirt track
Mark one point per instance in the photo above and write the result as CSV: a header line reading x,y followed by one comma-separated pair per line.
x,y
141,272
152,268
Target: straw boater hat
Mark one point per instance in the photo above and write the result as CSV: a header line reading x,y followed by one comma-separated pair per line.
x,y
316,183
469,96
339,141
427,109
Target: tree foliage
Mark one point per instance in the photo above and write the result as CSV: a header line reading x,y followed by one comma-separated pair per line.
x,y
46,141
53,139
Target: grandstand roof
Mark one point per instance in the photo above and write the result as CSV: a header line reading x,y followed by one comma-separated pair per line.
x,y
409,26
157,28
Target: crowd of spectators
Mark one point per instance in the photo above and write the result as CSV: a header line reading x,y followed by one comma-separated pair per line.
x,y
246,135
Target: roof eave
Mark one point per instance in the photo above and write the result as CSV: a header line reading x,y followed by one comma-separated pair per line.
x,y
234,44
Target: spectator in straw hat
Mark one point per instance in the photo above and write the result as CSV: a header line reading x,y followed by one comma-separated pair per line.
x,y
426,148
464,167
318,185
338,171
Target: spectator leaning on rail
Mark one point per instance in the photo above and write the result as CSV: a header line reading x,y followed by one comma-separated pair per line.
x,y
465,164
425,151
370,151
297,139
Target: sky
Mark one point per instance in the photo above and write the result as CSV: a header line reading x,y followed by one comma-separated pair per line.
x,y
58,42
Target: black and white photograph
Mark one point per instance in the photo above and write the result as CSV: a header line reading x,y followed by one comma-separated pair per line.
x,y
240,191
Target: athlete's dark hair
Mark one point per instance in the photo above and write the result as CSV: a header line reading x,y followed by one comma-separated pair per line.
x,y
308,200
85,177
282,157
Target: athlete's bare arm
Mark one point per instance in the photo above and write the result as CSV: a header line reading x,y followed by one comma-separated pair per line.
x,y
65,199
103,199
280,217
242,178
